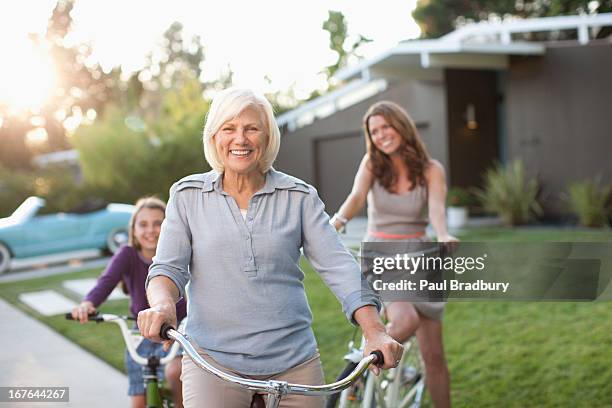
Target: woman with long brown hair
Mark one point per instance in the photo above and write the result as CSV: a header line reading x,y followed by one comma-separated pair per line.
x,y
405,189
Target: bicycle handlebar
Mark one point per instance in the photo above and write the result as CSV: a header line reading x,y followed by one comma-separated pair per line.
x,y
125,331
93,317
273,387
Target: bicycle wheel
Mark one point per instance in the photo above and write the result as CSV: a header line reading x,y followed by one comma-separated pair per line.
x,y
407,381
352,397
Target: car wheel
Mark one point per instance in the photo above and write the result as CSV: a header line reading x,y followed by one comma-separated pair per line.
x,y
5,258
116,238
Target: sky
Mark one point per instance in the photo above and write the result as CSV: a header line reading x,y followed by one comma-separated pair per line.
x,y
282,40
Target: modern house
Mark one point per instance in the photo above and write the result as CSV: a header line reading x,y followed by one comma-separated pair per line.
x,y
478,95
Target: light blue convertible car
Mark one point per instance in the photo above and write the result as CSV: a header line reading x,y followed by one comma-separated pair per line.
x,y
26,233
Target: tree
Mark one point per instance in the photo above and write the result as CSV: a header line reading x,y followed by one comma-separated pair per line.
x,y
81,86
178,131
339,41
147,132
174,62
439,17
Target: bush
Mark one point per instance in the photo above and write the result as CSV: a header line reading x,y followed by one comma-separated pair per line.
x,y
509,194
125,156
589,200
15,186
458,197
56,184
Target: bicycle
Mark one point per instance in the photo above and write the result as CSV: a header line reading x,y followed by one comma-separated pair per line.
x,y
273,388
155,395
398,387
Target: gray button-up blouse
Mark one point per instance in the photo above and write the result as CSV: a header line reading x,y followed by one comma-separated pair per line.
x,y
247,307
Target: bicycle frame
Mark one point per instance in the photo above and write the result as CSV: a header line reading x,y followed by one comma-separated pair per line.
x,y
273,388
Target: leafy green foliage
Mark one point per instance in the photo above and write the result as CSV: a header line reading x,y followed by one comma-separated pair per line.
x,y
127,157
114,158
590,201
339,41
55,184
179,131
176,57
508,193
14,188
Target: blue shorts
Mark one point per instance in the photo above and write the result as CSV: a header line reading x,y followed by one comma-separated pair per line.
x,y
135,371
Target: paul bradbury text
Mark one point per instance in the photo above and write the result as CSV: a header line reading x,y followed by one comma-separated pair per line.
x,y
445,285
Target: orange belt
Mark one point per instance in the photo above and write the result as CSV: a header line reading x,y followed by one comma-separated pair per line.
x,y
384,235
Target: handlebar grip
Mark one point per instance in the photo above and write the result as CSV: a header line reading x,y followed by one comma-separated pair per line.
x,y
163,332
94,317
379,360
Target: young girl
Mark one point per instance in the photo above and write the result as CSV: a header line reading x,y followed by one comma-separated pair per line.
x,y
130,265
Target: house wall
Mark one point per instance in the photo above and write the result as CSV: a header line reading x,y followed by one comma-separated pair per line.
x,y
327,152
559,116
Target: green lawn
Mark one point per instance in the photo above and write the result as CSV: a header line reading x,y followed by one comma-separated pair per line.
x,y
500,353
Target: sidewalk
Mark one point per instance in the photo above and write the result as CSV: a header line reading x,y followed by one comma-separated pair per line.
x,y
33,355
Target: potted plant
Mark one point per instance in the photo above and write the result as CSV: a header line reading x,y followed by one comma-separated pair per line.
x,y
590,201
510,193
458,200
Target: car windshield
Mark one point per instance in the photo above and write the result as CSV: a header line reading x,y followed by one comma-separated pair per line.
x,y
28,208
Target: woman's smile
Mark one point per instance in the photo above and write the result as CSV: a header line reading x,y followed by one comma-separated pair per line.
x,y
383,135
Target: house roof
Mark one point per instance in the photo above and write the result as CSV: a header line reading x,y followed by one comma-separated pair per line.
x,y
484,45
426,54
479,45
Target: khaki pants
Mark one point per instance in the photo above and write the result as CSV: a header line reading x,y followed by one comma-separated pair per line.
x,y
201,389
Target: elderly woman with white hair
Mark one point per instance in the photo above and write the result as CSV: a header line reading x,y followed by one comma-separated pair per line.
x,y
235,235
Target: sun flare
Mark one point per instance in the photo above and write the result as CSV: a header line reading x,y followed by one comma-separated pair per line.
x,y
28,79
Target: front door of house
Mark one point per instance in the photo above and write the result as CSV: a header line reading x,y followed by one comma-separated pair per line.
x,y
473,105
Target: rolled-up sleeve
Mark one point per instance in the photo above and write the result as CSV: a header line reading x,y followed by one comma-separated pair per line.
x,y
329,257
173,254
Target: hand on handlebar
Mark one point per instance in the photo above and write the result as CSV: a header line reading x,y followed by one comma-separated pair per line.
x,y
151,320
83,311
391,350
450,244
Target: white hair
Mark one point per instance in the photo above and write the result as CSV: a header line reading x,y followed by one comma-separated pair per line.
x,y
229,104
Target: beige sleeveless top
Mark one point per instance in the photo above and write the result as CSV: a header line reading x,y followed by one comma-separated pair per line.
x,y
391,213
